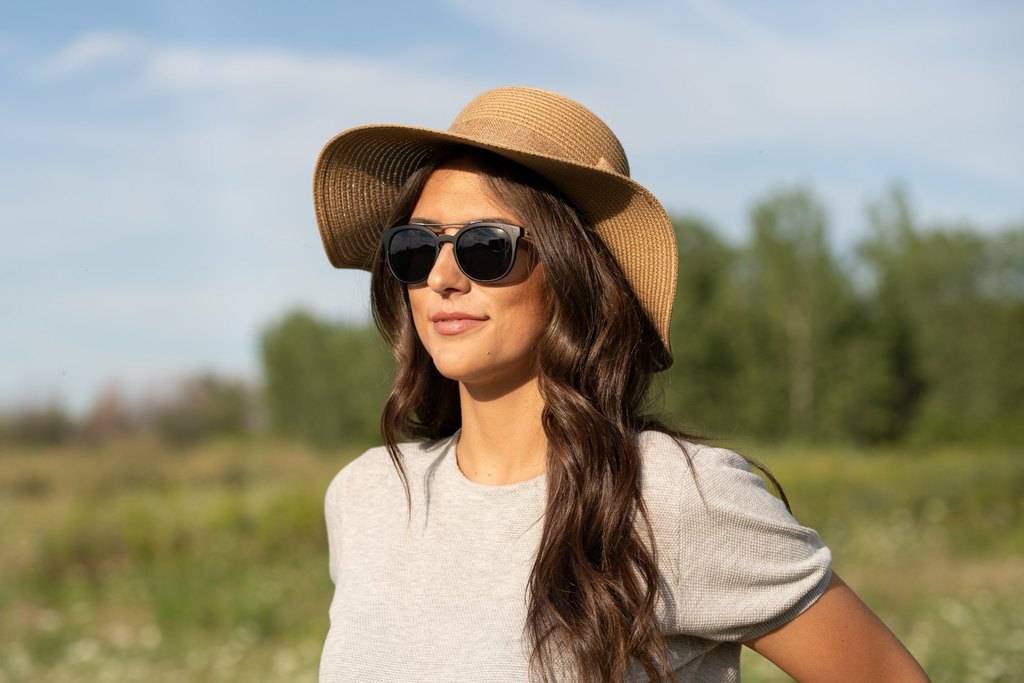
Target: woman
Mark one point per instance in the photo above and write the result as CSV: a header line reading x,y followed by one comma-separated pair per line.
x,y
537,524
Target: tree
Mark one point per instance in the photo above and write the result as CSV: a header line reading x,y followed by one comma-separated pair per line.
x,y
953,315
700,389
198,407
796,303
43,423
326,382
109,416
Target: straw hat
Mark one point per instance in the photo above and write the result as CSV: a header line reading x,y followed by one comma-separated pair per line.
x,y
360,171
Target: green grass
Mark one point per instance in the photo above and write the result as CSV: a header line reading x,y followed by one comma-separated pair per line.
x,y
136,563
932,541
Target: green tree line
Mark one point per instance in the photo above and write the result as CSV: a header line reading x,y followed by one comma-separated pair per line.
x,y
917,339
914,338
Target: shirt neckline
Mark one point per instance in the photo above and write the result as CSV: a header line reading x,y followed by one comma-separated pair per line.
x,y
451,468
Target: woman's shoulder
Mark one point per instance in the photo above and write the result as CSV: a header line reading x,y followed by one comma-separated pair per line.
x,y
374,465
662,450
716,486
698,474
666,456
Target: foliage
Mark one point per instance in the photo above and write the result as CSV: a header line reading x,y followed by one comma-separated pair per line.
x,y
136,561
325,382
912,337
915,340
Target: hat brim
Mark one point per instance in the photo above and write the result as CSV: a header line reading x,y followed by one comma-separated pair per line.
x,y
360,171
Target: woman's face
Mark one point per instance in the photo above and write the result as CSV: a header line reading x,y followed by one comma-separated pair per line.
x,y
500,349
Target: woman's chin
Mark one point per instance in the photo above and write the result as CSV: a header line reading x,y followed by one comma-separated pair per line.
x,y
467,366
458,369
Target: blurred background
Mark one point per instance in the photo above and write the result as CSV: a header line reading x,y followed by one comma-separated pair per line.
x,y
182,371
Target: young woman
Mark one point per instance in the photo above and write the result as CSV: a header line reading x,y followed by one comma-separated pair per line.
x,y
524,518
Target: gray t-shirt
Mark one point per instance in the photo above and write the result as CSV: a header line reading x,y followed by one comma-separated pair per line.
x,y
444,599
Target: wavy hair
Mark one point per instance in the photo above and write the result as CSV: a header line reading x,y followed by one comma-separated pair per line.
x,y
594,582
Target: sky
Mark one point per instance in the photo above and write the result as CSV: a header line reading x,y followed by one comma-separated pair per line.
x,y
156,158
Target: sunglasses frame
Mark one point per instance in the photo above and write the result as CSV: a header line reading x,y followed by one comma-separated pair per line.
x,y
515,233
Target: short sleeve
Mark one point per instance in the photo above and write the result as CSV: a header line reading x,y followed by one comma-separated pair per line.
x,y
332,518
746,565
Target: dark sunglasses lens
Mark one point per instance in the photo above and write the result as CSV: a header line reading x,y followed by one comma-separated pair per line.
x,y
411,254
485,252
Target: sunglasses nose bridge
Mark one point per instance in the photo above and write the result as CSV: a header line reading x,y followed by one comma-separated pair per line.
x,y
443,239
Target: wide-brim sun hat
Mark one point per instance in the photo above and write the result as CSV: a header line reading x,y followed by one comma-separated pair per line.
x,y
360,171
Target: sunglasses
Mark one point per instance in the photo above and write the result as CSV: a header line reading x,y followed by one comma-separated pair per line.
x,y
485,251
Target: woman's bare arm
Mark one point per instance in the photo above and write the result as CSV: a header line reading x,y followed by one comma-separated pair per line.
x,y
839,638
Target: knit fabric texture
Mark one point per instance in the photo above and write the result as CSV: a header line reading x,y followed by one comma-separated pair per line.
x,y
443,598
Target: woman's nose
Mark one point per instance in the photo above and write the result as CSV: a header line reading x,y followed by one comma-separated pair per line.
x,y
446,273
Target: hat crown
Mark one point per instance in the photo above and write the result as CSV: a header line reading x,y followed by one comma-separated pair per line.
x,y
544,122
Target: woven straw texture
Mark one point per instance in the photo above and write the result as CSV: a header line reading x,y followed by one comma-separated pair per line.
x,y
360,171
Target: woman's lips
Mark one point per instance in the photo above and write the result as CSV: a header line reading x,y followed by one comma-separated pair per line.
x,y
457,325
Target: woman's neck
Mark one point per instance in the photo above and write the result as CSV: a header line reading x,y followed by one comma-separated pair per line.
x,y
502,440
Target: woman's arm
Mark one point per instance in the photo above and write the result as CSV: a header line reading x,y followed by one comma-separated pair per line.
x,y
839,638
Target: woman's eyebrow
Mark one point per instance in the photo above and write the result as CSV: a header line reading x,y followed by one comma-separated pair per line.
x,y
499,219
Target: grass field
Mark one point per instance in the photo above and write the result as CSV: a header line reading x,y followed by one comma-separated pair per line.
x,y
133,562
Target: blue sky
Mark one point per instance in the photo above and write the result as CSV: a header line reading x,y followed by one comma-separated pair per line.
x,y
156,157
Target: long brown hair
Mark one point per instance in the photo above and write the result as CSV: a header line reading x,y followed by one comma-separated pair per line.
x,y
594,581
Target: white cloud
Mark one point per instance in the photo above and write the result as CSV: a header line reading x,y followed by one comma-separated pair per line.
x,y
347,78
88,52
191,218
877,82
179,232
